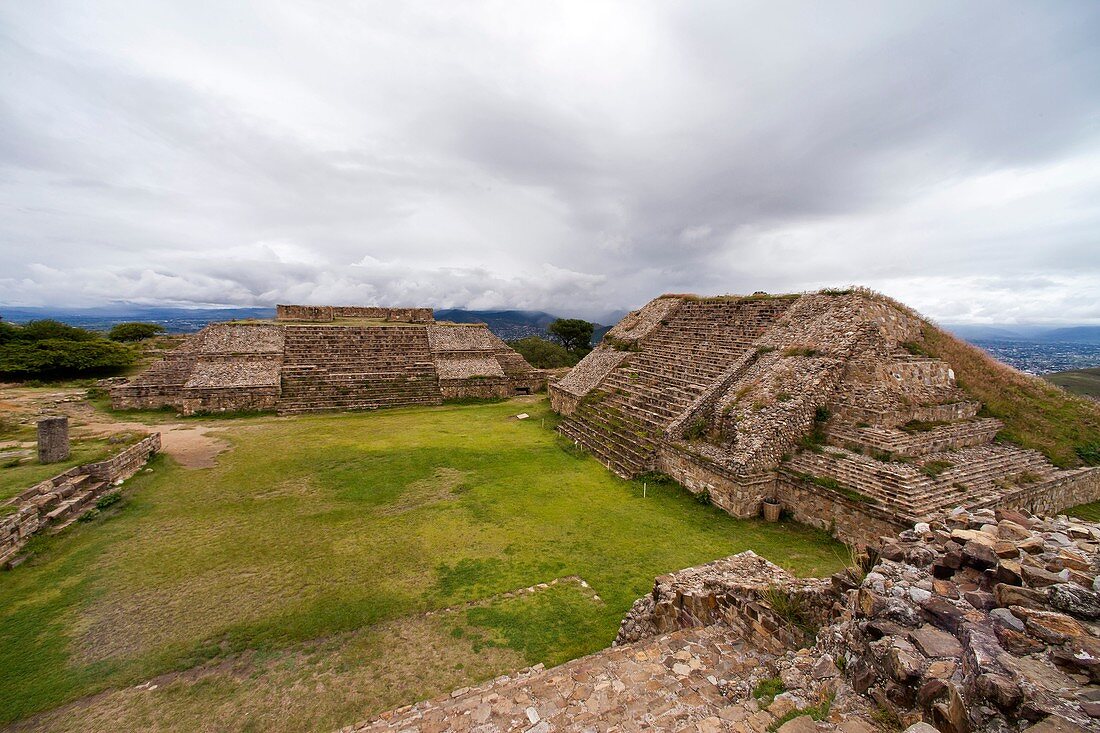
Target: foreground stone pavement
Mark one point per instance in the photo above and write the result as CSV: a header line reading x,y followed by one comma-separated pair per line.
x,y
678,681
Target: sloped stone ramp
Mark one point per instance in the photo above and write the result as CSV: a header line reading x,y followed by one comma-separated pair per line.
x,y
676,682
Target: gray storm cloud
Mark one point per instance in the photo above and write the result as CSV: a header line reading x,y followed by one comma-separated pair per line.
x,y
573,157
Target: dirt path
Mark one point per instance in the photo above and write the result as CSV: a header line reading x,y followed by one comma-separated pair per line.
x,y
190,445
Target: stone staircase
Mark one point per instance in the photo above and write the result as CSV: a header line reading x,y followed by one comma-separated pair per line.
x,y
966,477
357,368
624,417
53,504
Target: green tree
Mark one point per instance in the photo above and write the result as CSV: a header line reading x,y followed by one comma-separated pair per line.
x,y
543,354
572,333
48,328
134,331
49,348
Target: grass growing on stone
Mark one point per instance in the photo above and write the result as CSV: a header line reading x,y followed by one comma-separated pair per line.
x,y
315,532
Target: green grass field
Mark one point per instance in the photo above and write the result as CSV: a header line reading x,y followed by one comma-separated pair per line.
x,y
1079,381
330,567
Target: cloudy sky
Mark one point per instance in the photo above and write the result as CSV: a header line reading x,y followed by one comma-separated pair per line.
x,y
577,157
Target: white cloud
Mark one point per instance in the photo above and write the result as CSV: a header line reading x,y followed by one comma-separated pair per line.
x,y
575,157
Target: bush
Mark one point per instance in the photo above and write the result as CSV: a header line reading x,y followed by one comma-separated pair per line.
x,y
135,331
51,349
108,500
543,354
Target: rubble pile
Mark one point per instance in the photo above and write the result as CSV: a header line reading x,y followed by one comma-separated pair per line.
x,y
980,621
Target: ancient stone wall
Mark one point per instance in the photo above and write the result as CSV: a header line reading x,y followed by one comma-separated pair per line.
x,y
739,495
60,500
125,463
850,521
307,313
329,313
374,313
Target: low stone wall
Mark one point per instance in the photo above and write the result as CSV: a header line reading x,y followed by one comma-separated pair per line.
x,y
398,315
328,313
229,399
474,388
62,498
852,522
310,313
126,463
562,402
1051,497
737,495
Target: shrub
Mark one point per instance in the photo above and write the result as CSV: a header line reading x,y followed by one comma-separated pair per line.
x,y
135,331
915,348
932,469
791,608
49,349
697,430
817,712
621,345
800,351
88,515
766,690
108,500
1089,454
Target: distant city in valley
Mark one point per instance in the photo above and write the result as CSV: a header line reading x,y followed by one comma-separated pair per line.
x,y
1032,349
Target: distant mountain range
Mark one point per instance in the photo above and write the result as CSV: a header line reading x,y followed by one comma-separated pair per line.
x,y
1040,334
507,324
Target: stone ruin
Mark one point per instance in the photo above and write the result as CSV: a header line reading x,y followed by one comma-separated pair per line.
x,y
976,622
823,402
53,439
329,358
59,501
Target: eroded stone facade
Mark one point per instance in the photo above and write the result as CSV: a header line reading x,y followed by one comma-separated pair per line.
x,y
823,401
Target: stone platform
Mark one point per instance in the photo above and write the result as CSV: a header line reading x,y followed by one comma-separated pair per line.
x,y
676,682
316,358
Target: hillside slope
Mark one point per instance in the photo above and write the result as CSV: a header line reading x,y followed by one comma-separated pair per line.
x,y
1084,382
1036,413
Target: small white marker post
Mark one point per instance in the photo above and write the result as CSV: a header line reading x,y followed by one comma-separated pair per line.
x,y
643,489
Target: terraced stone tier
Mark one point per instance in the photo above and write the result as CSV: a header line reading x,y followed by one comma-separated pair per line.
x,y
949,436
679,681
967,477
